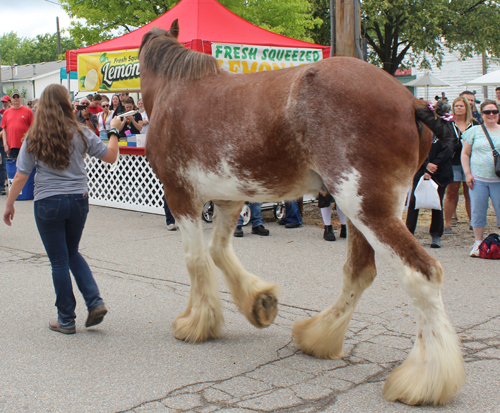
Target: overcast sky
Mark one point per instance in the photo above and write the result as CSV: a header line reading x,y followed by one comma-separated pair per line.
x,y
31,17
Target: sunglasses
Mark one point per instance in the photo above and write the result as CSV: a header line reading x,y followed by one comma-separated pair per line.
x,y
104,106
490,112
16,97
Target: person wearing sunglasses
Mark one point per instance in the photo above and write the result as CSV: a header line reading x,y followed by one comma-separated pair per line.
x,y
104,119
479,169
15,123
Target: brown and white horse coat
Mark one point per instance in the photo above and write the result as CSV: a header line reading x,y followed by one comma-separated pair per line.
x,y
340,126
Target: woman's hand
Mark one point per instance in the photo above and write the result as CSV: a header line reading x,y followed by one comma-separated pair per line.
x,y
8,215
427,176
116,123
431,167
470,180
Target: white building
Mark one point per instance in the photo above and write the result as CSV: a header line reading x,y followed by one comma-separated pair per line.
x,y
456,72
30,80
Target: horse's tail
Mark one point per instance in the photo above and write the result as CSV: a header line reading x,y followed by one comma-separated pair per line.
x,y
437,120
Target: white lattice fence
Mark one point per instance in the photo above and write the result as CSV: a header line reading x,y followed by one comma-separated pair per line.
x,y
132,185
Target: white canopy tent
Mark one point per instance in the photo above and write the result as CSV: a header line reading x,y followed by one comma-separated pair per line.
x,y
489,79
426,81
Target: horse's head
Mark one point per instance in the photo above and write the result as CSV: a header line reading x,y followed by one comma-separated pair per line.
x,y
162,53
157,35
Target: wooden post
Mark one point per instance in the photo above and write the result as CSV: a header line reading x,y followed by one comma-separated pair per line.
x,y
345,28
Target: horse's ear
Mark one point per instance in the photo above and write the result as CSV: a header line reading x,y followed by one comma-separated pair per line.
x,y
174,28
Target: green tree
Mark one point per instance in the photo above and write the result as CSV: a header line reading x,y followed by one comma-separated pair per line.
x,y
405,33
321,34
292,18
42,48
106,19
9,43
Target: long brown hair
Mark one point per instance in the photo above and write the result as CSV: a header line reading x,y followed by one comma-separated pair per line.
x,y
51,134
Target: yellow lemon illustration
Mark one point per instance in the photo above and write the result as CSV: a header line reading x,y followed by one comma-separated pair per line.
x,y
93,63
91,80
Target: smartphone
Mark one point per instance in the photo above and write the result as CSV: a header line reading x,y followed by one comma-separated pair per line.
x,y
81,107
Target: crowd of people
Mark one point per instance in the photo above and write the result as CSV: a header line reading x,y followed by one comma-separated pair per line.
x,y
468,162
96,112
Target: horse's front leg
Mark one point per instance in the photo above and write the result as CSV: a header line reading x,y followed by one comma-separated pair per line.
x,y
202,319
255,298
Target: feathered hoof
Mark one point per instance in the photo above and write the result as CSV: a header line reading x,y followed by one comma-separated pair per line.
x,y
313,337
264,309
198,326
425,383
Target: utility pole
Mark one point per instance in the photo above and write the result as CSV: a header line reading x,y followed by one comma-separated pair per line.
x,y
348,28
332,28
58,38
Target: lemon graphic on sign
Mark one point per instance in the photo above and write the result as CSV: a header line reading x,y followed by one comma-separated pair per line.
x,y
91,79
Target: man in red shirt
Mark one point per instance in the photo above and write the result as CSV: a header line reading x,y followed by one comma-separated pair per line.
x,y
15,123
95,103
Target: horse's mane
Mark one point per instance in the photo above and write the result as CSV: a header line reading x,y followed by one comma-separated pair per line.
x,y
163,53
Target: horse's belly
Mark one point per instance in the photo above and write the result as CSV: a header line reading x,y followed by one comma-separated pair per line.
x,y
225,184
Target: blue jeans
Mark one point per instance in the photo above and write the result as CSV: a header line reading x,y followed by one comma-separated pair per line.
x,y
60,220
255,219
479,197
168,215
3,171
292,213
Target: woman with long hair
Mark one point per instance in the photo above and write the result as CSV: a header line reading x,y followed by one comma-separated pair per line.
x,y
479,168
463,121
57,144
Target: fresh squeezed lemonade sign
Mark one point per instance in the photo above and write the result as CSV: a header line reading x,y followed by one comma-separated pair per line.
x,y
110,71
245,58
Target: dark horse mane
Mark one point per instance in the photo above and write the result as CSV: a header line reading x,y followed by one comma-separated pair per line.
x,y
169,58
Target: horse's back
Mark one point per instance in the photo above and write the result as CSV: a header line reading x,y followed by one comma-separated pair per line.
x,y
265,132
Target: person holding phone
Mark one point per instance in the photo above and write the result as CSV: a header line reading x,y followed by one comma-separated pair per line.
x,y
84,116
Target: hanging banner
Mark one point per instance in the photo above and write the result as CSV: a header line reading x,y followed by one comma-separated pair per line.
x,y
239,58
109,71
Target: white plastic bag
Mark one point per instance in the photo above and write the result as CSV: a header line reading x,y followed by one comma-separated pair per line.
x,y
426,195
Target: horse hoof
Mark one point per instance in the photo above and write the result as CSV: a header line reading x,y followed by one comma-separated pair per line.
x,y
265,309
197,327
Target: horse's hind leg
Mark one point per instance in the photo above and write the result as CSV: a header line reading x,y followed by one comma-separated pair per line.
x,y
255,298
202,319
323,335
433,371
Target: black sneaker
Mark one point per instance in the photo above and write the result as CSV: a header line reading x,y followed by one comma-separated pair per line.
x,y
343,231
238,232
436,242
260,230
329,235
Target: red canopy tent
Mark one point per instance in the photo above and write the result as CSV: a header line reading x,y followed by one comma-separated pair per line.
x,y
201,23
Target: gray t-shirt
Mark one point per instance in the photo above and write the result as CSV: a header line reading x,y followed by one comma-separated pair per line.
x,y
73,180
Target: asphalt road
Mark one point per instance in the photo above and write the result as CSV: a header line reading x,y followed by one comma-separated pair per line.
x,y
132,362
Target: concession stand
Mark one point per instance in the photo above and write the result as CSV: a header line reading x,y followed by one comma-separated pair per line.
x,y
113,66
